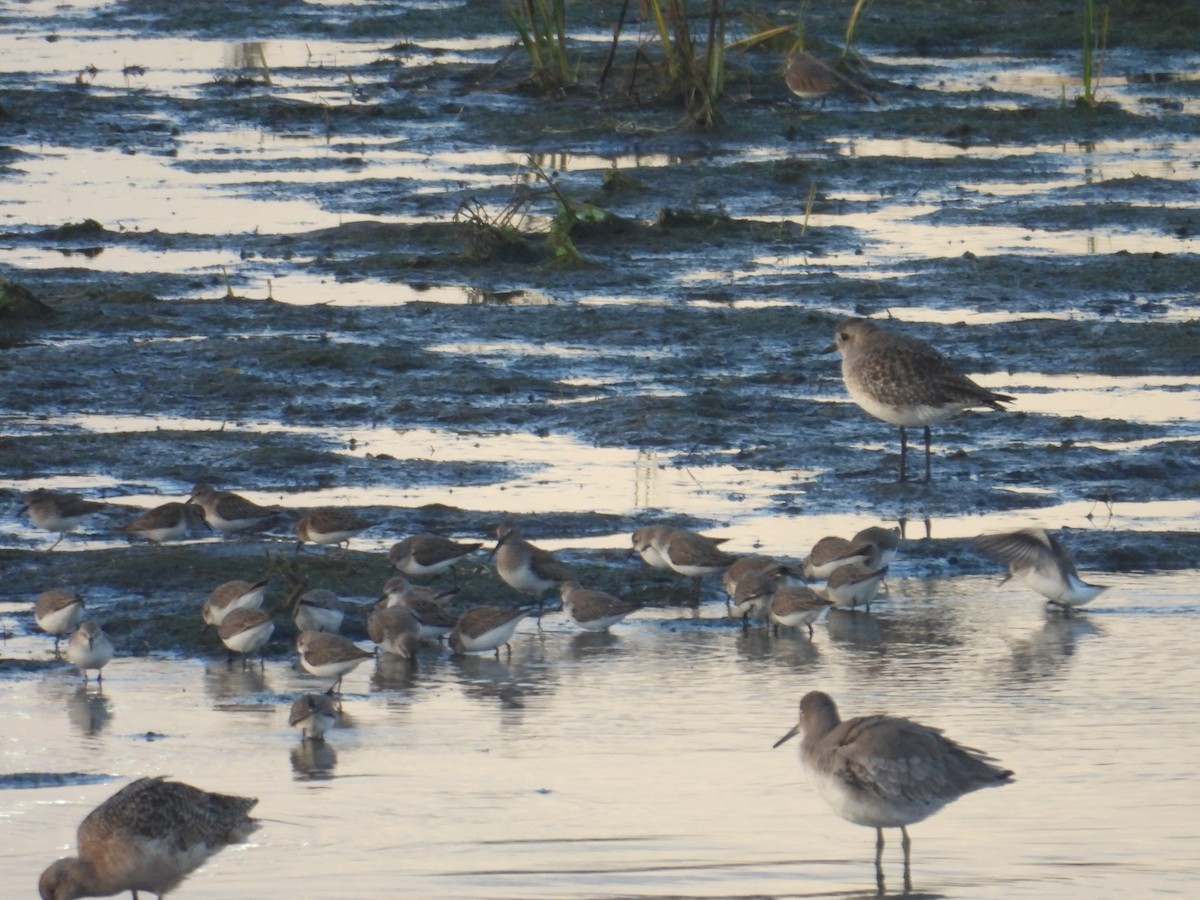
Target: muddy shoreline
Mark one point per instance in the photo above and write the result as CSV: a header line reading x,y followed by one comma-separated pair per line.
x,y
690,322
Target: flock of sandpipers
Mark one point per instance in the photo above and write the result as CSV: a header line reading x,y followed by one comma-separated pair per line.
x,y
877,771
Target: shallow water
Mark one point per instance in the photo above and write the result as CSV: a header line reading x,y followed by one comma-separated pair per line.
x,y
640,765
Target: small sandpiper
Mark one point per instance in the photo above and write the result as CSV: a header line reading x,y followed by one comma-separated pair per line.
x,y
147,837
89,648
172,521
595,610
319,610
885,540
57,612
329,655
693,555
245,630
854,585
886,772
525,567
331,526
905,382
425,605
796,606
231,595
394,629
313,714
58,513
228,512
1043,563
830,553
483,628
427,555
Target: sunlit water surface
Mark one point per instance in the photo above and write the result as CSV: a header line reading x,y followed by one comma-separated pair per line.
x,y
640,765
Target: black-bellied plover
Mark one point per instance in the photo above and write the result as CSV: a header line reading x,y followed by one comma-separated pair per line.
x,y
904,381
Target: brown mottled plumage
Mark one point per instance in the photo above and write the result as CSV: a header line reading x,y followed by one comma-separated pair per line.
x,y
148,836
904,381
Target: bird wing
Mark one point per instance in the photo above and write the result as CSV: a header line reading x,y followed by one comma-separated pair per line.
x,y
1028,548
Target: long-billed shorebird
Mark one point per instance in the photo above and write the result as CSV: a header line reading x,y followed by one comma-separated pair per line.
x,y
904,381
148,836
228,512
56,512
57,611
884,771
1041,561
89,648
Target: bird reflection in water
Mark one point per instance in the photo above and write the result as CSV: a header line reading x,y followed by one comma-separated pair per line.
x,y
313,760
1045,653
89,710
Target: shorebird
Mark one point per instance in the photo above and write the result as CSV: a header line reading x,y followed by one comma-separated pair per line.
x,y
394,629
244,630
524,567
148,836
850,586
649,539
830,553
906,382
886,540
89,648
319,610
172,521
228,512
58,513
752,595
594,610
794,606
1043,563
809,78
691,554
484,628
884,771
57,612
331,526
329,655
426,555
313,714
231,595
424,604
754,565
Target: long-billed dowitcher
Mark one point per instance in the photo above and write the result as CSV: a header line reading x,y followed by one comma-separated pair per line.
x,y
148,836
884,771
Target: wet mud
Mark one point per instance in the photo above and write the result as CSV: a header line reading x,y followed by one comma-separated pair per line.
x,y
677,300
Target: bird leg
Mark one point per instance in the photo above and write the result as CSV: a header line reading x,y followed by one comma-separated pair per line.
x,y
879,884
903,453
928,440
906,843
